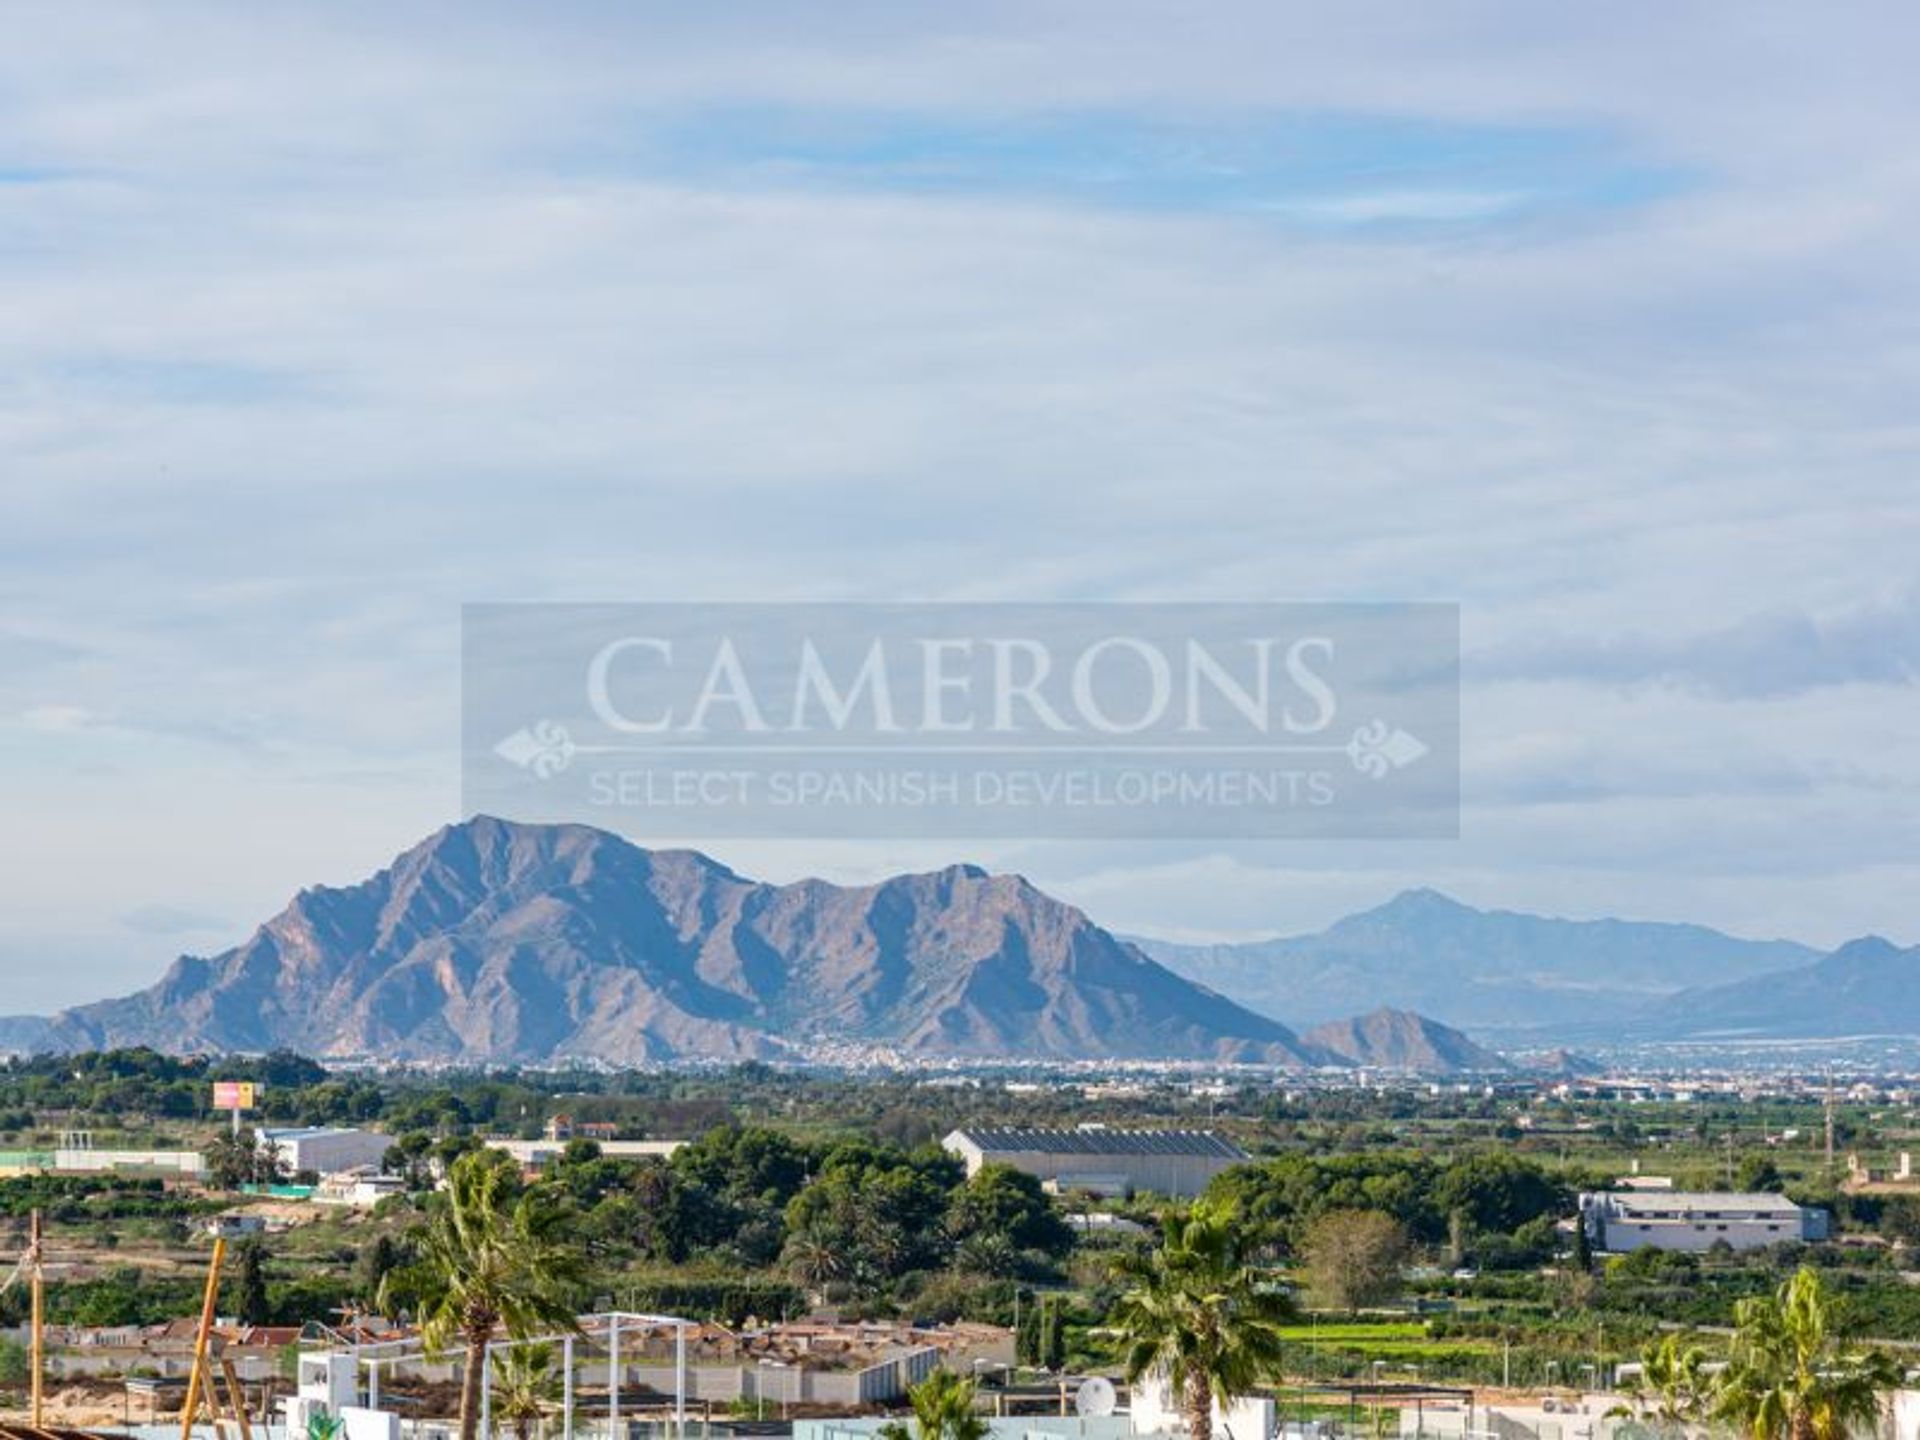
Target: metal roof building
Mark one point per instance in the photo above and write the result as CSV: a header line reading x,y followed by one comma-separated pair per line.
x,y
1622,1220
1102,1161
324,1149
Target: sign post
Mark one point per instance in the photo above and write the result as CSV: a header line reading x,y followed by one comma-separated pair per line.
x,y
235,1095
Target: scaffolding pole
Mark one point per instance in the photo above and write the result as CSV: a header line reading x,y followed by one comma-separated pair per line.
x,y
613,1378
199,1382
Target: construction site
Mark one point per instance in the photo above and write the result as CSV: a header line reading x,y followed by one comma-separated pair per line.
x,y
212,1377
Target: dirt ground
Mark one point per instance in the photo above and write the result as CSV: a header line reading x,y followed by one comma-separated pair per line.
x,y
294,1212
79,1404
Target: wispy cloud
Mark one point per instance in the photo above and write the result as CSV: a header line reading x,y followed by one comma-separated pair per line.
x,y
170,920
1761,657
57,719
1604,330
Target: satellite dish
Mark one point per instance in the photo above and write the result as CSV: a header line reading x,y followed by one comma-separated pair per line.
x,y
1095,1397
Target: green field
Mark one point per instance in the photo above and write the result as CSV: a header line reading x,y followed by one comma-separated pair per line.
x,y
1402,1343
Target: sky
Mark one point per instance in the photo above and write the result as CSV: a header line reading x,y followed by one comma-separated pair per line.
x,y
317,321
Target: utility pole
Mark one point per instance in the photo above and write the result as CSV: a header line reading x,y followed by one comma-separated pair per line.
x,y
1829,1121
39,1316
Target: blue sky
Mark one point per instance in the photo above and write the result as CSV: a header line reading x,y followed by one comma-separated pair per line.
x,y
1304,168
315,324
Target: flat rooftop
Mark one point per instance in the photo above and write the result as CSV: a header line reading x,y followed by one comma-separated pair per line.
x,y
1660,1202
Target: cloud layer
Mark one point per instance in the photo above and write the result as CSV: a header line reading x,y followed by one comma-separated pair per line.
x,y
315,324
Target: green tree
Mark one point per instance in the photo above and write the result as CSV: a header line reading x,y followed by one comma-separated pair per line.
x,y
942,1410
16,1364
236,1160
1000,1201
1498,1191
814,1261
1026,1334
1900,1219
1355,1258
744,1162
489,1255
1196,1313
675,1216
378,1259
410,1157
881,1213
1582,1245
1053,1336
990,1256
1759,1173
526,1384
1792,1375
249,1296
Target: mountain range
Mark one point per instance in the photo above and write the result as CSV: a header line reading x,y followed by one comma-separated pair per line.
x,y
1391,1039
1504,976
1868,986
494,942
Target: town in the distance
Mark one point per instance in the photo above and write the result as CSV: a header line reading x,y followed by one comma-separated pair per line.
x,y
539,1132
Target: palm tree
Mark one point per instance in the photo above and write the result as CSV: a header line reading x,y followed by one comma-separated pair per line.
x,y
992,1257
1671,1393
1197,1312
526,1383
1792,1375
942,1410
488,1257
815,1261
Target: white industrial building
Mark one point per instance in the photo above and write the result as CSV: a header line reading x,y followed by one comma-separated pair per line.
x,y
1100,1160
1693,1220
323,1149
537,1154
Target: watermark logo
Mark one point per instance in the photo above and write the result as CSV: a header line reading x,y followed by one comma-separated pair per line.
x,y
1108,721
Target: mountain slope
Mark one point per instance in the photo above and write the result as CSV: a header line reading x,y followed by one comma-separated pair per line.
x,y
1388,1039
1483,970
496,942
1868,986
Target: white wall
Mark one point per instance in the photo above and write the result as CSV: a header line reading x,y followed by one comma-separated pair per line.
x,y
184,1162
329,1153
1250,1417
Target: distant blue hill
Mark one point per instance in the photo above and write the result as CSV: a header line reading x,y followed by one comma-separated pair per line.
x,y
1868,986
1492,972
